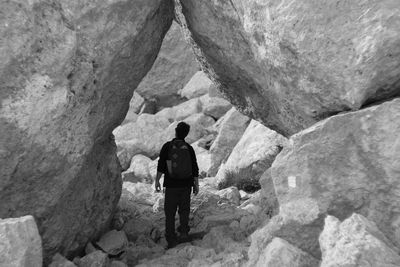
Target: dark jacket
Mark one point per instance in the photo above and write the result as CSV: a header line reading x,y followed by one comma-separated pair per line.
x,y
162,167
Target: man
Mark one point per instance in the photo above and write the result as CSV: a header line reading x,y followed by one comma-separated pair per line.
x,y
179,165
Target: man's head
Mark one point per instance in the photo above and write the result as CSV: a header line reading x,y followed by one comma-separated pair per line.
x,y
182,130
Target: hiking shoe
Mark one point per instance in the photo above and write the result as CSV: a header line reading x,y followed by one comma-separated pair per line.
x,y
172,243
184,237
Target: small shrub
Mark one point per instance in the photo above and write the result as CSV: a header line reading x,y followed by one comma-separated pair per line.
x,y
244,179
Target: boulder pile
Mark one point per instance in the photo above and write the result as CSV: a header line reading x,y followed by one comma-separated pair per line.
x,y
295,121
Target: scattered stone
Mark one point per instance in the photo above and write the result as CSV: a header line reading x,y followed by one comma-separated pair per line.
x,y
253,154
60,261
355,242
113,242
186,109
20,242
214,106
297,223
203,159
137,227
231,194
145,136
232,127
280,253
244,195
199,124
198,85
139,170
90,248
94,259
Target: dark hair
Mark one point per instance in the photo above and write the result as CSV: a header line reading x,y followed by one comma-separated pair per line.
x,y
182,130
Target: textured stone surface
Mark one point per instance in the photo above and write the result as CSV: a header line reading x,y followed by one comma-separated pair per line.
x,y
139,170
113,242
145,136
197,86
67,72
255,152
173,68
355,242
299,223
233,125
215,107
20,243
199,124
60,261
94,259
292,63
280,253
347,163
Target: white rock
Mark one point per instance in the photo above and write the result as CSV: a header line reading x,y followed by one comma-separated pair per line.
x,y
355,242
199,124
186,109
145,136
214,106
139,170
20,242
232,126
203,158
254,153
231,194
198,85
280,253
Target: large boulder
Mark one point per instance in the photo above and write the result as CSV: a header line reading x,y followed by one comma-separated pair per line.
x,y
253,154
173,68
289,64
347,163
199,124
215,107
299,223
198,85
145,136
135,106
20,243
139,170
355,242
232,127
67,72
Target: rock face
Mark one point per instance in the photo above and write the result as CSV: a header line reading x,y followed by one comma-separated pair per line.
x,y
347,163
173,68
67,72
20,243
355,242
280,253
289,64
255,151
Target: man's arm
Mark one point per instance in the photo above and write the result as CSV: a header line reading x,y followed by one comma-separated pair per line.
x,y
157,184
161,167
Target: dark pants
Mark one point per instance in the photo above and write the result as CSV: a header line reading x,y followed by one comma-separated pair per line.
x,y
176,198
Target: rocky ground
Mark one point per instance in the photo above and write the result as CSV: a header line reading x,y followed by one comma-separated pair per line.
x,y
309,176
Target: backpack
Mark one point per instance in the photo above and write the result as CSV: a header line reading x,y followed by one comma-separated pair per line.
x,y
179,164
